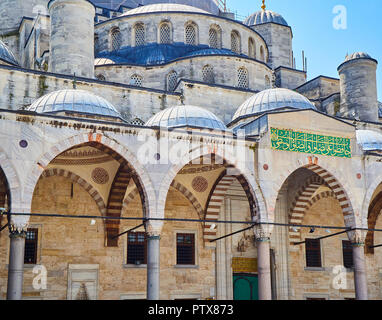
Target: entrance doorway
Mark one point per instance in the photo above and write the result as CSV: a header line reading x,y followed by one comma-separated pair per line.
x,y
245,286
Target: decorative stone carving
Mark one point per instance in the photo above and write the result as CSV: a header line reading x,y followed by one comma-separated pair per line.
x,y
100,176
199,184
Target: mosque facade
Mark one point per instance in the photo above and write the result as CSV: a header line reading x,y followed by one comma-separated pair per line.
x,y
168,150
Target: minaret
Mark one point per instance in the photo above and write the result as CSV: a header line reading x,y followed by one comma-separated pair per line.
x,y
72,37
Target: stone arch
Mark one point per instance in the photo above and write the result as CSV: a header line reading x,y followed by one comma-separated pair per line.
x,y
12,183
260,214
179,187
331,178
216,198
80,181
109,146
373,215
369,193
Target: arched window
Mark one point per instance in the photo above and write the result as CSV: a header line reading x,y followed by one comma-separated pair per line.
x,y
165,33
251,48
139,34
172,81
262,55
136,80
100,77
191,34
208,74
267,82
215,37
96,44
242,78
137,122
116,39
235,42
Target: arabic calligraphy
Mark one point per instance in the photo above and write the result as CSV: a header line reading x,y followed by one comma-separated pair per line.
x,y
289,140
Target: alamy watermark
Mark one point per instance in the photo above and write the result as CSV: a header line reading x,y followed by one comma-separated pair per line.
x,y
340,21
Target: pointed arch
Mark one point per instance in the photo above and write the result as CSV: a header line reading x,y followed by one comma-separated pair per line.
x,y
111,147
94,194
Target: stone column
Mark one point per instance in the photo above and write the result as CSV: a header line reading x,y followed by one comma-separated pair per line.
x,y
360,279
264,268
16,264
153,266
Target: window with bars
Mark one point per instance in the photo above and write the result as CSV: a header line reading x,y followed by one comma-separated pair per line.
x,y
136,80
185,249
208,74
136,248
137,122
165,33
242,78
140,35
31,241
190,34
100,77
214,38
313,253
235,42
172,81
251,48
347,253
116,39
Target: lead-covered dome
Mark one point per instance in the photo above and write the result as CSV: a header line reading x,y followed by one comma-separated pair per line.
x,y
272,99
357,55
6,55
74,101
163,7
186,116
369,140
265,16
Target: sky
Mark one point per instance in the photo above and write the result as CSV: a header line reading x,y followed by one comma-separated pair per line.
x,y
314,31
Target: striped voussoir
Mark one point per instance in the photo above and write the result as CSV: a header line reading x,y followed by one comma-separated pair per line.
x,y
216,198
80,181
300,205
115,203
195,203
374,212
3,189
335,186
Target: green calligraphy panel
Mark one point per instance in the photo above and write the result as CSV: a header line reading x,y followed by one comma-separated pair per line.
x,y
295,141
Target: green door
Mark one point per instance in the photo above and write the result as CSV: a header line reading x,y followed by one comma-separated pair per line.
x,y
245,287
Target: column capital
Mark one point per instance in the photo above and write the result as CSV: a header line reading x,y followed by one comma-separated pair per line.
x,y
16,231
153,228
261,233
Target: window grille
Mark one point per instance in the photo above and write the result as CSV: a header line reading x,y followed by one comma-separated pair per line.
x,y
313,253
137,122
347,253
101,77
251,48
30,254
208,74
185,249
172,81
136,248
116,40
165,33
136,80
235,42
214,39
190,35
140,35
242,78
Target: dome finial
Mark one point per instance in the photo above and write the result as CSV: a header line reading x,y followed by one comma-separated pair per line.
x,y
263,6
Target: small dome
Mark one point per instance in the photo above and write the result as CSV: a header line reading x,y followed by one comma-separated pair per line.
x,y
264,16
369,140
186,116
74,101
273,99
6,55
357,55
163,7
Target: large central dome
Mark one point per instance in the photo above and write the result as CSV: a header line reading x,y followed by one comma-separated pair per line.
x,y
163,7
